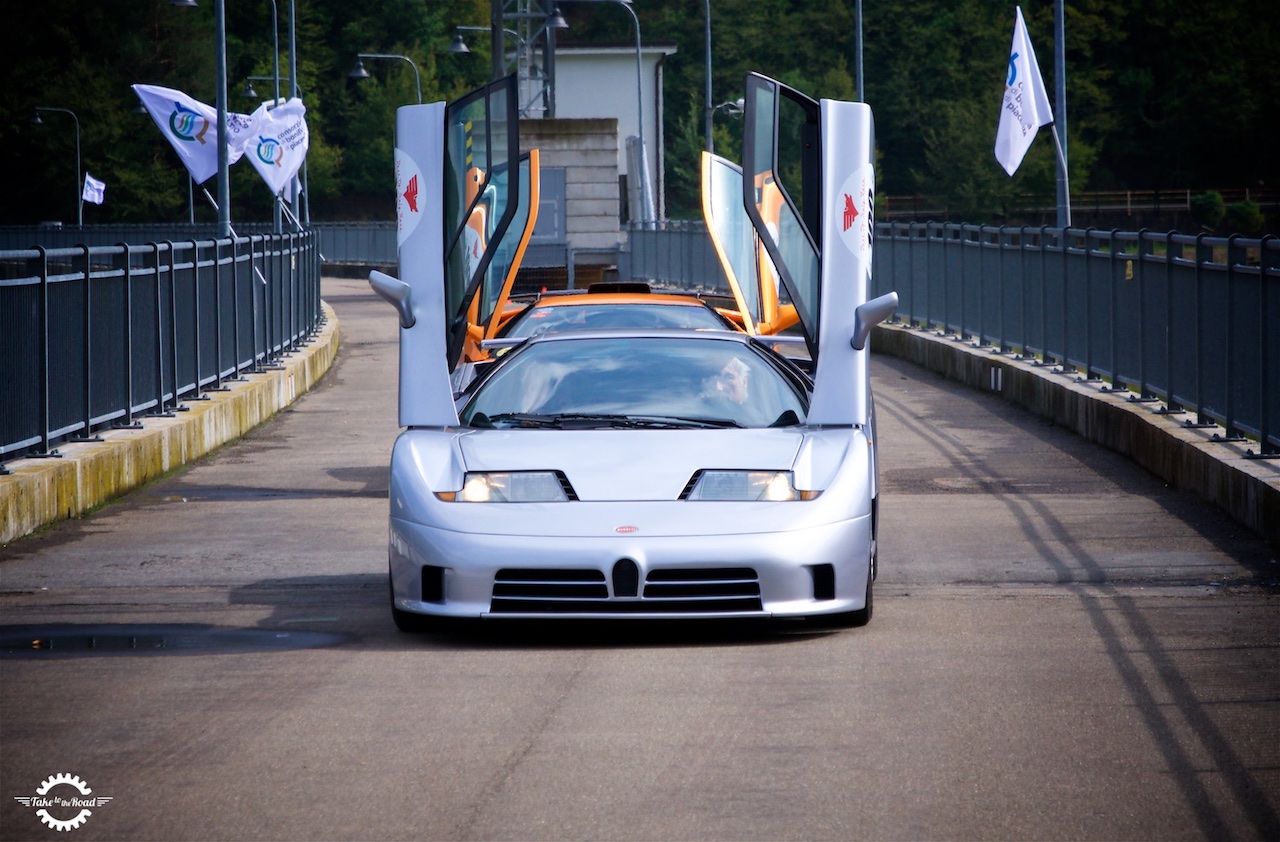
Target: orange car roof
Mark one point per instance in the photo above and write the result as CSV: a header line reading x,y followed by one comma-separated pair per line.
x,y
619,298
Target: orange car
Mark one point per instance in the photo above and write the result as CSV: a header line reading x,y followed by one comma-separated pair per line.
x,y
614,305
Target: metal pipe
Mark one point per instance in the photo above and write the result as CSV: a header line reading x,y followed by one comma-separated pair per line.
x,y
417,77
79,183
224,156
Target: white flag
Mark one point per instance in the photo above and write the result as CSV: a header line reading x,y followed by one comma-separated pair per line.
x,y
94,190
1026,104
190,127
278,142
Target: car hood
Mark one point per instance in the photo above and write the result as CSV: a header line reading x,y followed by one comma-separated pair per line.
x,y
629,477
617,465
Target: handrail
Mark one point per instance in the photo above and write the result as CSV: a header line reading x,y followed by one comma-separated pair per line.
x,y
100,336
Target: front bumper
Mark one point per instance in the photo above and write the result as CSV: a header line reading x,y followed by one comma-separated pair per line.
x,y
814,571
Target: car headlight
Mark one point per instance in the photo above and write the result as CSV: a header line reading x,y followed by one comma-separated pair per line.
x,y
509,487
763,486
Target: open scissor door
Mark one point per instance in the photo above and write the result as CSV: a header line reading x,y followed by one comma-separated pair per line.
x,y
487,310
490,208
764,307
809,187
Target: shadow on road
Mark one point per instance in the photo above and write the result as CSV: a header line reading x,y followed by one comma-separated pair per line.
x,y
1139,652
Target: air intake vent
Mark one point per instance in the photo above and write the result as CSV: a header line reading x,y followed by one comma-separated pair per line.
x,y
824,581
667,592
432,583
626,578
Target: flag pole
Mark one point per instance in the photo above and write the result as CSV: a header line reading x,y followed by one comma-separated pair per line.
x,y
1064,186
232,232
1060,114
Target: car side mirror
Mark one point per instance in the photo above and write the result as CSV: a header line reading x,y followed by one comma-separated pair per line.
x,y
396,293
869,315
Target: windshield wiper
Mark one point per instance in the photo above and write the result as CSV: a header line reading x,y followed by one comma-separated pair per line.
x,y
586,421
681,421
514,419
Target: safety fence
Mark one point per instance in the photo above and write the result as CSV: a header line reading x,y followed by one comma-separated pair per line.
x,y
1188,321
100,336
1185,320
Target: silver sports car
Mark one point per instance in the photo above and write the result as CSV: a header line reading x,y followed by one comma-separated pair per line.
x,y
641,473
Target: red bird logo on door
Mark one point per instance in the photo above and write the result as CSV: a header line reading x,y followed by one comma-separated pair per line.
x,y
411,194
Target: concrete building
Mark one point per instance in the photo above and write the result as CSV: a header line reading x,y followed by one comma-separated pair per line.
x,y
591,182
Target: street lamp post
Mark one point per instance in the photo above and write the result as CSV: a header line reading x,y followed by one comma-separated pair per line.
x,y
534,81
79,186
220,47
358,72
710,107
224,154
858,52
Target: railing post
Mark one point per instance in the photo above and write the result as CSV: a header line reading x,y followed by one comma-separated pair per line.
x,y
911,275
217,315
45,450
1089,374
1228,375
253,293
173,319
234,263
127,343
981,243
1144,249
1117,384
1001,343
1064,240
1171,402
87,273
159,333
1043,241
195,317
1266,271
1202,418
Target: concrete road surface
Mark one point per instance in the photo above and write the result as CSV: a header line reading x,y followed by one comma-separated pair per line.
x,y
1062,648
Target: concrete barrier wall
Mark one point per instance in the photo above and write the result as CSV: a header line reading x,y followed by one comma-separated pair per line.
x,y
89,474
1187,458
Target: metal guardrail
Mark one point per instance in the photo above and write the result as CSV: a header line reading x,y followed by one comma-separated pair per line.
x,y
675,253
98,336
1190,321
356,243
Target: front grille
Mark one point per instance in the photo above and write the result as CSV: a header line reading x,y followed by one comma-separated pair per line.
x,y
669,591
549,585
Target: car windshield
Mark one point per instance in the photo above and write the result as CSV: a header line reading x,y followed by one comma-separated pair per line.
x,y
630,381
565,317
